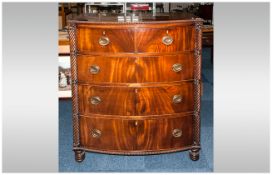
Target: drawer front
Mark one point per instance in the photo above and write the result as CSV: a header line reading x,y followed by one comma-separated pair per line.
x,y
136,100
106,100
166,68
105,40
106,69
107,134
136,135
165,99
165,133
165,39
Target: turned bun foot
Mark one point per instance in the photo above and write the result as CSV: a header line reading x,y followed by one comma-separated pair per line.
x,y
194,155
79,155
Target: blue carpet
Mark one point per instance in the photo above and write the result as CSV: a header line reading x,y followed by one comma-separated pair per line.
x,y
173,162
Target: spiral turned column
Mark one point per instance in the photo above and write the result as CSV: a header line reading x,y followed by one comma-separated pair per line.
x,y
194,152
79,154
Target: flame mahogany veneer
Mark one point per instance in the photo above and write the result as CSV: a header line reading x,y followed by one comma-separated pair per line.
x,y
136,86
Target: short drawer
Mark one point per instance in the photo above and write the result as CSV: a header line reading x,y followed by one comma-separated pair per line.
x,y
136,135
157,40
104,40
168,99
167,68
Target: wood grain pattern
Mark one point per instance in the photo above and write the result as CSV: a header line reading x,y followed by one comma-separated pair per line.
x,y
114,100
135,135
121,40
140,69
159,100
159,68
112,69
156,134
136,40
150,40
115,134
136,100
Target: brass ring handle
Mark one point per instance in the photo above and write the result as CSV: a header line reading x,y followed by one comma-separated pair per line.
x,y
177,133
167,40
177,99
103,41
177,67
94,69
95,100
96,133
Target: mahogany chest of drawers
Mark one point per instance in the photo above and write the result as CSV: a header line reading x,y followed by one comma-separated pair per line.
x,y
136,86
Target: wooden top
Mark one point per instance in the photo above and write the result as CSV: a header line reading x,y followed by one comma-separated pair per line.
x,y
143,18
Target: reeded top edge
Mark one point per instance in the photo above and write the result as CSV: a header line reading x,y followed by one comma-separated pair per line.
x,y
142,18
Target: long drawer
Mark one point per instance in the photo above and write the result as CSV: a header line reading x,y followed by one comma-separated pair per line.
x,y
118,134
167,68
154,100
135,40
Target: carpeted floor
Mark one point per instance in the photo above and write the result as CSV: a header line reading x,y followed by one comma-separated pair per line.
x,y
173,162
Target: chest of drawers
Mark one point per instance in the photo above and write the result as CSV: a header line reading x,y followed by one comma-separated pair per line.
x,y
136,86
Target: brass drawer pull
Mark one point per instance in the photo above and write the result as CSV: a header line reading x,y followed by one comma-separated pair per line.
x,y
95,100
167,40
177,67
96,133
177,133
103,41
177,99
94,69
